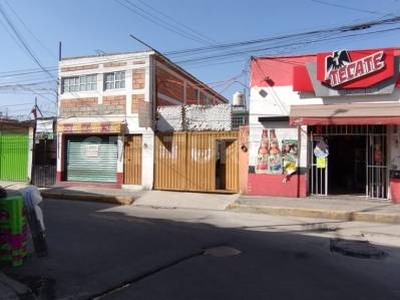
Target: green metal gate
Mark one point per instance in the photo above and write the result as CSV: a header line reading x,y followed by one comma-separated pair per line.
x,y
13,156
91,158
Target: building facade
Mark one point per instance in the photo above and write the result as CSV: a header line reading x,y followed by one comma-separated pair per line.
x,y
325,124
107,115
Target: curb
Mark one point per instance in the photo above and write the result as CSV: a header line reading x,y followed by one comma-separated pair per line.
x,y
120,200
319,213
377,217
296,212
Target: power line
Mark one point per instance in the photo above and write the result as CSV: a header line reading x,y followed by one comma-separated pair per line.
x,y
202,36
340,29
160,22
27,29
21,40
273,44
374,12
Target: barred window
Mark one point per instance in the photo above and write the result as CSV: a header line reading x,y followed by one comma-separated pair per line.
x,y
114,80
79,83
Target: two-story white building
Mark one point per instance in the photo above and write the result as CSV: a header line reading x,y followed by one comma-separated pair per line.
x,y
107,115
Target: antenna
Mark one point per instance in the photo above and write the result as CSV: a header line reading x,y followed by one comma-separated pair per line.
x,y
145,44
59,51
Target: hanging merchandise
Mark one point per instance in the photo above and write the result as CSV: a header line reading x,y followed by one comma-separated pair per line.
x,y
262,154
321,148
321,162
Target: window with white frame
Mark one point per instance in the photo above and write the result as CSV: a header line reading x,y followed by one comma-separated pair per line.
x,y
79,83
114,80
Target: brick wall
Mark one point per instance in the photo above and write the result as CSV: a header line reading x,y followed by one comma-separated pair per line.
x,y
191,95
114,105
136,99
78,107
138,78
172,86
114,64
79,68
169,85
90,106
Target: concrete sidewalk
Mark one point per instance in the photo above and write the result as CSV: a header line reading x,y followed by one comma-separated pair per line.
x,y
158,199
346,208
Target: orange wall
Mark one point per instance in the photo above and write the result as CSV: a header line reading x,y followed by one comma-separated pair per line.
x,y
175,84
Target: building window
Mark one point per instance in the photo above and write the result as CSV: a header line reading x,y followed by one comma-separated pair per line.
x,y
207,99
79,83
239,120
114,80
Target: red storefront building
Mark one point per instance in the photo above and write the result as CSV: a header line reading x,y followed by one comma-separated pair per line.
x,y
325,124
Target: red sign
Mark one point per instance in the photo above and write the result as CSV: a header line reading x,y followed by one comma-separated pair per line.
x,y
356,69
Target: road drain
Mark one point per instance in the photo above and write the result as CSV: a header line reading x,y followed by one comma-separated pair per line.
x,y
355,248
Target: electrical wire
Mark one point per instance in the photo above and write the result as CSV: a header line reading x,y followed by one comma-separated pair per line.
x,y
274,45
160,22
202,36
22,41
373,12
28,29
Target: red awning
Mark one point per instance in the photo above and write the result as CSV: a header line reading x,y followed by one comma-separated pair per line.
x,y
342,114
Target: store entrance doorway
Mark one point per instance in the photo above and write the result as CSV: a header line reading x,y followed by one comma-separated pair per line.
x,y
347,165
348,160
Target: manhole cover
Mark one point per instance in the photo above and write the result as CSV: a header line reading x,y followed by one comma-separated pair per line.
x,y
355,248
222,251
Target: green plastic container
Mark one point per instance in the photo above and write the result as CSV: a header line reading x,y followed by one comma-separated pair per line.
x,y
12,213
13,227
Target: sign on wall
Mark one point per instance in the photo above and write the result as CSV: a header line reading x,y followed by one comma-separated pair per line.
x,y
276,154
355,69
44,129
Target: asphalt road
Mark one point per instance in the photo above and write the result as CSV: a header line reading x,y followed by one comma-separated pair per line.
x,y
101,251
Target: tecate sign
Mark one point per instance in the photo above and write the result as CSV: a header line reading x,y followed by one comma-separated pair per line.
x,y
354,69
340,69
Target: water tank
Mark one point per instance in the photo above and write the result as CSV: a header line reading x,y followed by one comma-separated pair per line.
x,y
238,99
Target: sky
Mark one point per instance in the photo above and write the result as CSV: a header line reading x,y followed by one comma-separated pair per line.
x,y
212,40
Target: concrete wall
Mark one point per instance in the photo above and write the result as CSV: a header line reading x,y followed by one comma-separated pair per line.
x,y
194,118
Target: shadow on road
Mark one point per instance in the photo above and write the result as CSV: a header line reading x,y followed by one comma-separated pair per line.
x,y
99,250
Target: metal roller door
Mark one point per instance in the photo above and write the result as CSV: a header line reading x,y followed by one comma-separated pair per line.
x,y
92,158
13,156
